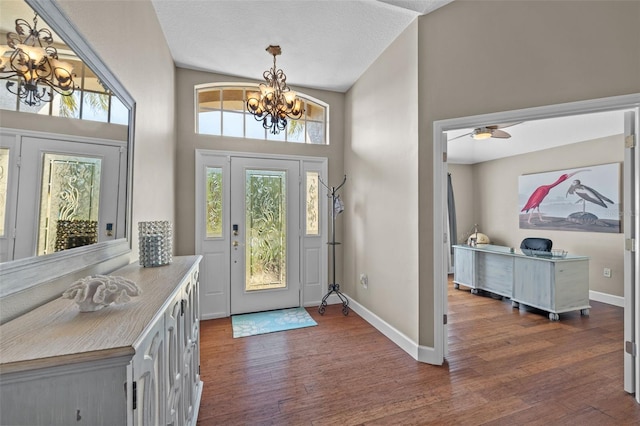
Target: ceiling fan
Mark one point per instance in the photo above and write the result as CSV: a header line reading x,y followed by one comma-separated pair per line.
x,y
486,132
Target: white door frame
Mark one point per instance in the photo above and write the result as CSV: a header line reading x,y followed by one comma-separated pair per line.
x,y
439,202
313,254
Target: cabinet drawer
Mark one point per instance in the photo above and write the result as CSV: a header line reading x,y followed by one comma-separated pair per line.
x,y
494,273
533,283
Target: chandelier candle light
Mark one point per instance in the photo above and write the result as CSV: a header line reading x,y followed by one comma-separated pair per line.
x,y
275,102
34,63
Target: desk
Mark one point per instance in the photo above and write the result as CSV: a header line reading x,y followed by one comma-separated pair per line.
x,y
553,284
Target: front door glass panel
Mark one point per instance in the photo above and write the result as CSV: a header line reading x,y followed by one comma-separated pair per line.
x,y
266,225
214,202
69,202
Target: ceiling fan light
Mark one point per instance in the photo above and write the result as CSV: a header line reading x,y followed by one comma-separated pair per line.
x,y
481,133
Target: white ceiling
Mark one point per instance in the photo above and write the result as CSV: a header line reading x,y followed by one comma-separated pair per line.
x,y
329,44
326,44
533,135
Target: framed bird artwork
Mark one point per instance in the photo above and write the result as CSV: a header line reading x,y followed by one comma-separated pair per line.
x,y
583,199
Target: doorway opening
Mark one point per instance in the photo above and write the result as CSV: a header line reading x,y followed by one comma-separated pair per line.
x,y
631,105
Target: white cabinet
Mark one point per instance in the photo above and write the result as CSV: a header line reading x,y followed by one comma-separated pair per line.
x,y
133,364
494,273
555,285
191,353
174,331
147,368
478,269
464,267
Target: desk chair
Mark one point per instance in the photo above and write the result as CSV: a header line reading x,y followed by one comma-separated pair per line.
x,y
536,244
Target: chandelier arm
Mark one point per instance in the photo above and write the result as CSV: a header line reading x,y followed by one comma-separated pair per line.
x,y
21,24
30,97
34,63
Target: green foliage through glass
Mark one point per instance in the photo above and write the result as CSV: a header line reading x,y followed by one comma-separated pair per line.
x,y
214,202
266,224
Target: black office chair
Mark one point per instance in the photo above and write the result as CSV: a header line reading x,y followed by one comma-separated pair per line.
x,y
536,244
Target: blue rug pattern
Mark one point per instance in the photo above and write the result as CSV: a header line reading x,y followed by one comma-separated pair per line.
x,y
271,321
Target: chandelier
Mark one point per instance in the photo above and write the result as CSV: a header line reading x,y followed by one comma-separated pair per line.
x,y
33,61
275,102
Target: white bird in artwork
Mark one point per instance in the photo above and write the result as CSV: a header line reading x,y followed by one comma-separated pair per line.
x,y
586,193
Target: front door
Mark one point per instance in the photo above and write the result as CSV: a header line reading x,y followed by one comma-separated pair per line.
x,y
261,228
264,234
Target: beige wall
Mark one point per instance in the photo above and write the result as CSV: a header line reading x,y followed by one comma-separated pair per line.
x,y
478,57
189,141
381,215
64,126
495,188
128,38
466,199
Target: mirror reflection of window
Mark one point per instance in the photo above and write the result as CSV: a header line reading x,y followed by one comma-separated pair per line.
x,y
69,202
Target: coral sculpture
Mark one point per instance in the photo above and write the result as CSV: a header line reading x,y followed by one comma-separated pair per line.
x,y
95,292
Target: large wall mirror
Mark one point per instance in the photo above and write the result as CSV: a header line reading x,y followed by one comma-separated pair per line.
x,y
65,158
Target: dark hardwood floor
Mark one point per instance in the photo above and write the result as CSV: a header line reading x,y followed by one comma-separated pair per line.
x,y
505,367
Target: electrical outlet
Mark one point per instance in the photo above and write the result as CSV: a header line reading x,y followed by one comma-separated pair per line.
x,y
607,272
364,281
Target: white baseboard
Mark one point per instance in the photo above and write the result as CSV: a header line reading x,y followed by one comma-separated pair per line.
x,y
214,316
424,354
606,298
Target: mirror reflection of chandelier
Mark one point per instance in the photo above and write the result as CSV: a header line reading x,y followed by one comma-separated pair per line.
x,y
34,63
275,102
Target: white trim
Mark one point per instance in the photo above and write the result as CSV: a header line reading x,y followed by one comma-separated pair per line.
x,y
63,137
440,249
214,316
21,274
396,336
424,354
213,152
536,113
609,299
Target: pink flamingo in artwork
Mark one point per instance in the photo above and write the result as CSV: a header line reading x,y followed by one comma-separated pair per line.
x,y
540,193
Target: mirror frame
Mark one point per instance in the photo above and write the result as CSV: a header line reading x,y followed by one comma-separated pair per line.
x,y
21,274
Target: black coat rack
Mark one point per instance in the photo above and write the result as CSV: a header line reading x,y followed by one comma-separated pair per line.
x,y
334,287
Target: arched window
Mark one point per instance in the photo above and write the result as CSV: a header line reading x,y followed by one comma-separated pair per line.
x,y
221,110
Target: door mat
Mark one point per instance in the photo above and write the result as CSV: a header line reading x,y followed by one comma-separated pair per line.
x,y
271,321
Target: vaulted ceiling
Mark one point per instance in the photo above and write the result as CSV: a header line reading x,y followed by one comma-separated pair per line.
x,y
325,44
